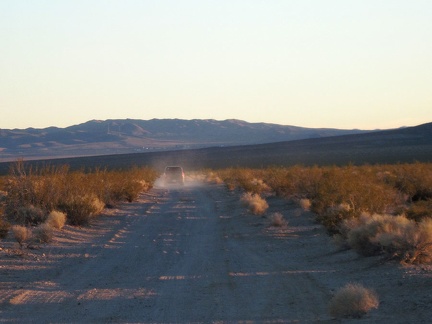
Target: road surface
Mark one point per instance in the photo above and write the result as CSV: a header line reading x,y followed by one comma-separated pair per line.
x,y
178,255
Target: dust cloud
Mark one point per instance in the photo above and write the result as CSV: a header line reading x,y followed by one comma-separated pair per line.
x,y
192,180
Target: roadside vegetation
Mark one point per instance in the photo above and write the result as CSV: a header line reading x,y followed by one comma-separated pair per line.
x,y
373,209
49,197
255,204
353,301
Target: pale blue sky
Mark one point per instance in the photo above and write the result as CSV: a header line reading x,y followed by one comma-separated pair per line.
x,y
315,63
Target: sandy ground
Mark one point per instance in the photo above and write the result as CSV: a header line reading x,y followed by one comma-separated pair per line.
x,y
195,255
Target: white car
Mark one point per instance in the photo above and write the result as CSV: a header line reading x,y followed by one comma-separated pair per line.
x,y
174,174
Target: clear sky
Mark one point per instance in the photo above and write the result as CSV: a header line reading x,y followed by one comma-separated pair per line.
x,y
315,63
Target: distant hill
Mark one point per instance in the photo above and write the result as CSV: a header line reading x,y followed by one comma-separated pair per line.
x,y
97,137
404,145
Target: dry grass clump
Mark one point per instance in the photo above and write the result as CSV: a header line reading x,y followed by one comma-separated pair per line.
x,y
277,220
21,234
44,233
255,204
98,205
56,219
353,300
305,204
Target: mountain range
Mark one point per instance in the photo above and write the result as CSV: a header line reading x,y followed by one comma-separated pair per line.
x,y
120,136
402,145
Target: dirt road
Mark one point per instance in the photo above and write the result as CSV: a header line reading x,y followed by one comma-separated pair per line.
x,y
187,255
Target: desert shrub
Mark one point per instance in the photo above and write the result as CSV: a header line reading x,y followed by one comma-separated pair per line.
x,y
420,210
415,180
255,204
412,245
98,206
278,220
30,215
334,216
56,219
41,188
30,192
419,247
16,198
297,181
357,189
250,180
79,194
132,189
112,187
81,209
353,300
344,198
44,233
305,181
4,228
279,180
3,194
245,180
396,236
365,234
308,180
259,186
49,185
21,234
229,178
